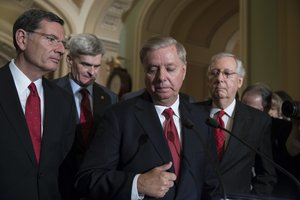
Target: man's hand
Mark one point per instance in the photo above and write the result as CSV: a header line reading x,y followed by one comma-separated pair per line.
x,y
156,182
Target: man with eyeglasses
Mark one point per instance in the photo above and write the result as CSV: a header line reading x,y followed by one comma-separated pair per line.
x,y
37,121
84,60
243,171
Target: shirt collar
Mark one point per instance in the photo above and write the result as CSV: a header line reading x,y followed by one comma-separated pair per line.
x,y
228,110
76,88
21,80
175,108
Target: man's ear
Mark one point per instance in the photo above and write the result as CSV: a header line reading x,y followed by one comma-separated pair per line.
x,y
69,60
21,39
240,83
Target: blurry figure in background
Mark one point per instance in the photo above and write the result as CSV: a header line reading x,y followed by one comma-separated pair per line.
x,y
119,80
91,99
258,96
275,110
284,97
285,138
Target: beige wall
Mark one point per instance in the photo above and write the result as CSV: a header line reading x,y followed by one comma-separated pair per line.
x,y
274,44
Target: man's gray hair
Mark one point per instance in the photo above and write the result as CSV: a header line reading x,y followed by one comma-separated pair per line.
x,y
85,44
239,65
158,42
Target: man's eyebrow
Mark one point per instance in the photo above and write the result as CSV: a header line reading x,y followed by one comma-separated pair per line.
x,y
89,64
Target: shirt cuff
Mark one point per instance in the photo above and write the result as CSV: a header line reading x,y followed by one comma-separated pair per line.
x,y
134,191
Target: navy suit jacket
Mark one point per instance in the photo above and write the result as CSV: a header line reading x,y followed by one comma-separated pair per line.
x,y
21,177
130,140
102,99
253,127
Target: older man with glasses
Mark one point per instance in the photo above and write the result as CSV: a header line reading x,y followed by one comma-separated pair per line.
x,y
243,171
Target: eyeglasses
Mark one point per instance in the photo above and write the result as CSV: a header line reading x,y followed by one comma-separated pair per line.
x,y
226,74
52,39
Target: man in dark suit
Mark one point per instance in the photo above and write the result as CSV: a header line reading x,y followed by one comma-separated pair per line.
x,y
84,59
130,156
285,137
243,171
37,123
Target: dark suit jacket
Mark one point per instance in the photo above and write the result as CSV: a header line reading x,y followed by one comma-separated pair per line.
x,y
253,127
285,187
102,99
21,177
130,140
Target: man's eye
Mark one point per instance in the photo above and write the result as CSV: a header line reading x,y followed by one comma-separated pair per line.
x,y
215,72
51,38
170,69
152,69
227,73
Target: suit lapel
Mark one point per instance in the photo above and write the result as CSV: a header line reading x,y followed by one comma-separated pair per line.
x,y
10,103
100,102
146,115
64,82
188,140
238,129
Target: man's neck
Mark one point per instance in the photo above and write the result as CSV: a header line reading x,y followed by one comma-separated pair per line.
x,y
222,103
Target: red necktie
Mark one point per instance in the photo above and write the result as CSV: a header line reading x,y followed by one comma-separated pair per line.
x,y
33,118
219,135
86,117
172,138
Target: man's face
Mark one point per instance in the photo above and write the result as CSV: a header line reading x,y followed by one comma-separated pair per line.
x,y
84,68
164,75
223,80
43,48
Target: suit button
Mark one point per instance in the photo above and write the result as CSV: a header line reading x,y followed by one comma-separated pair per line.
x,y
41,174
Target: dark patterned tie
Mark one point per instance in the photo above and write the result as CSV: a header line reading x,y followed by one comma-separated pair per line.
x,y
219,135
172,138
86,117
33,118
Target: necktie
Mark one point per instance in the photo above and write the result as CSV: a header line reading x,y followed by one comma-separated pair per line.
x,y
219,135
33,118
86,117
172,137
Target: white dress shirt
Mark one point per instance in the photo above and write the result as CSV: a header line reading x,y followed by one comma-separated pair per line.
x,y
22,82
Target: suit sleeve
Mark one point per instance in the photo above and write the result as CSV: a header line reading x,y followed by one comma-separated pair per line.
x,y
265,174
99,176
212,187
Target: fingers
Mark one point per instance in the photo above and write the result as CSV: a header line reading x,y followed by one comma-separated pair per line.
x,y
166,175
156,182
165,167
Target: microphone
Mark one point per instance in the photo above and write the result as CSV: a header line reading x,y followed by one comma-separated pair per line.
x,y
187,123
213,123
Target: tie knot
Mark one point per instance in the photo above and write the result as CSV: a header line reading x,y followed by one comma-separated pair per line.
x,y
32,88
221,113
168,113
84,92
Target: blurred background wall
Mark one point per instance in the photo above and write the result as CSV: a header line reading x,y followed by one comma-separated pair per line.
x,y
265,35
